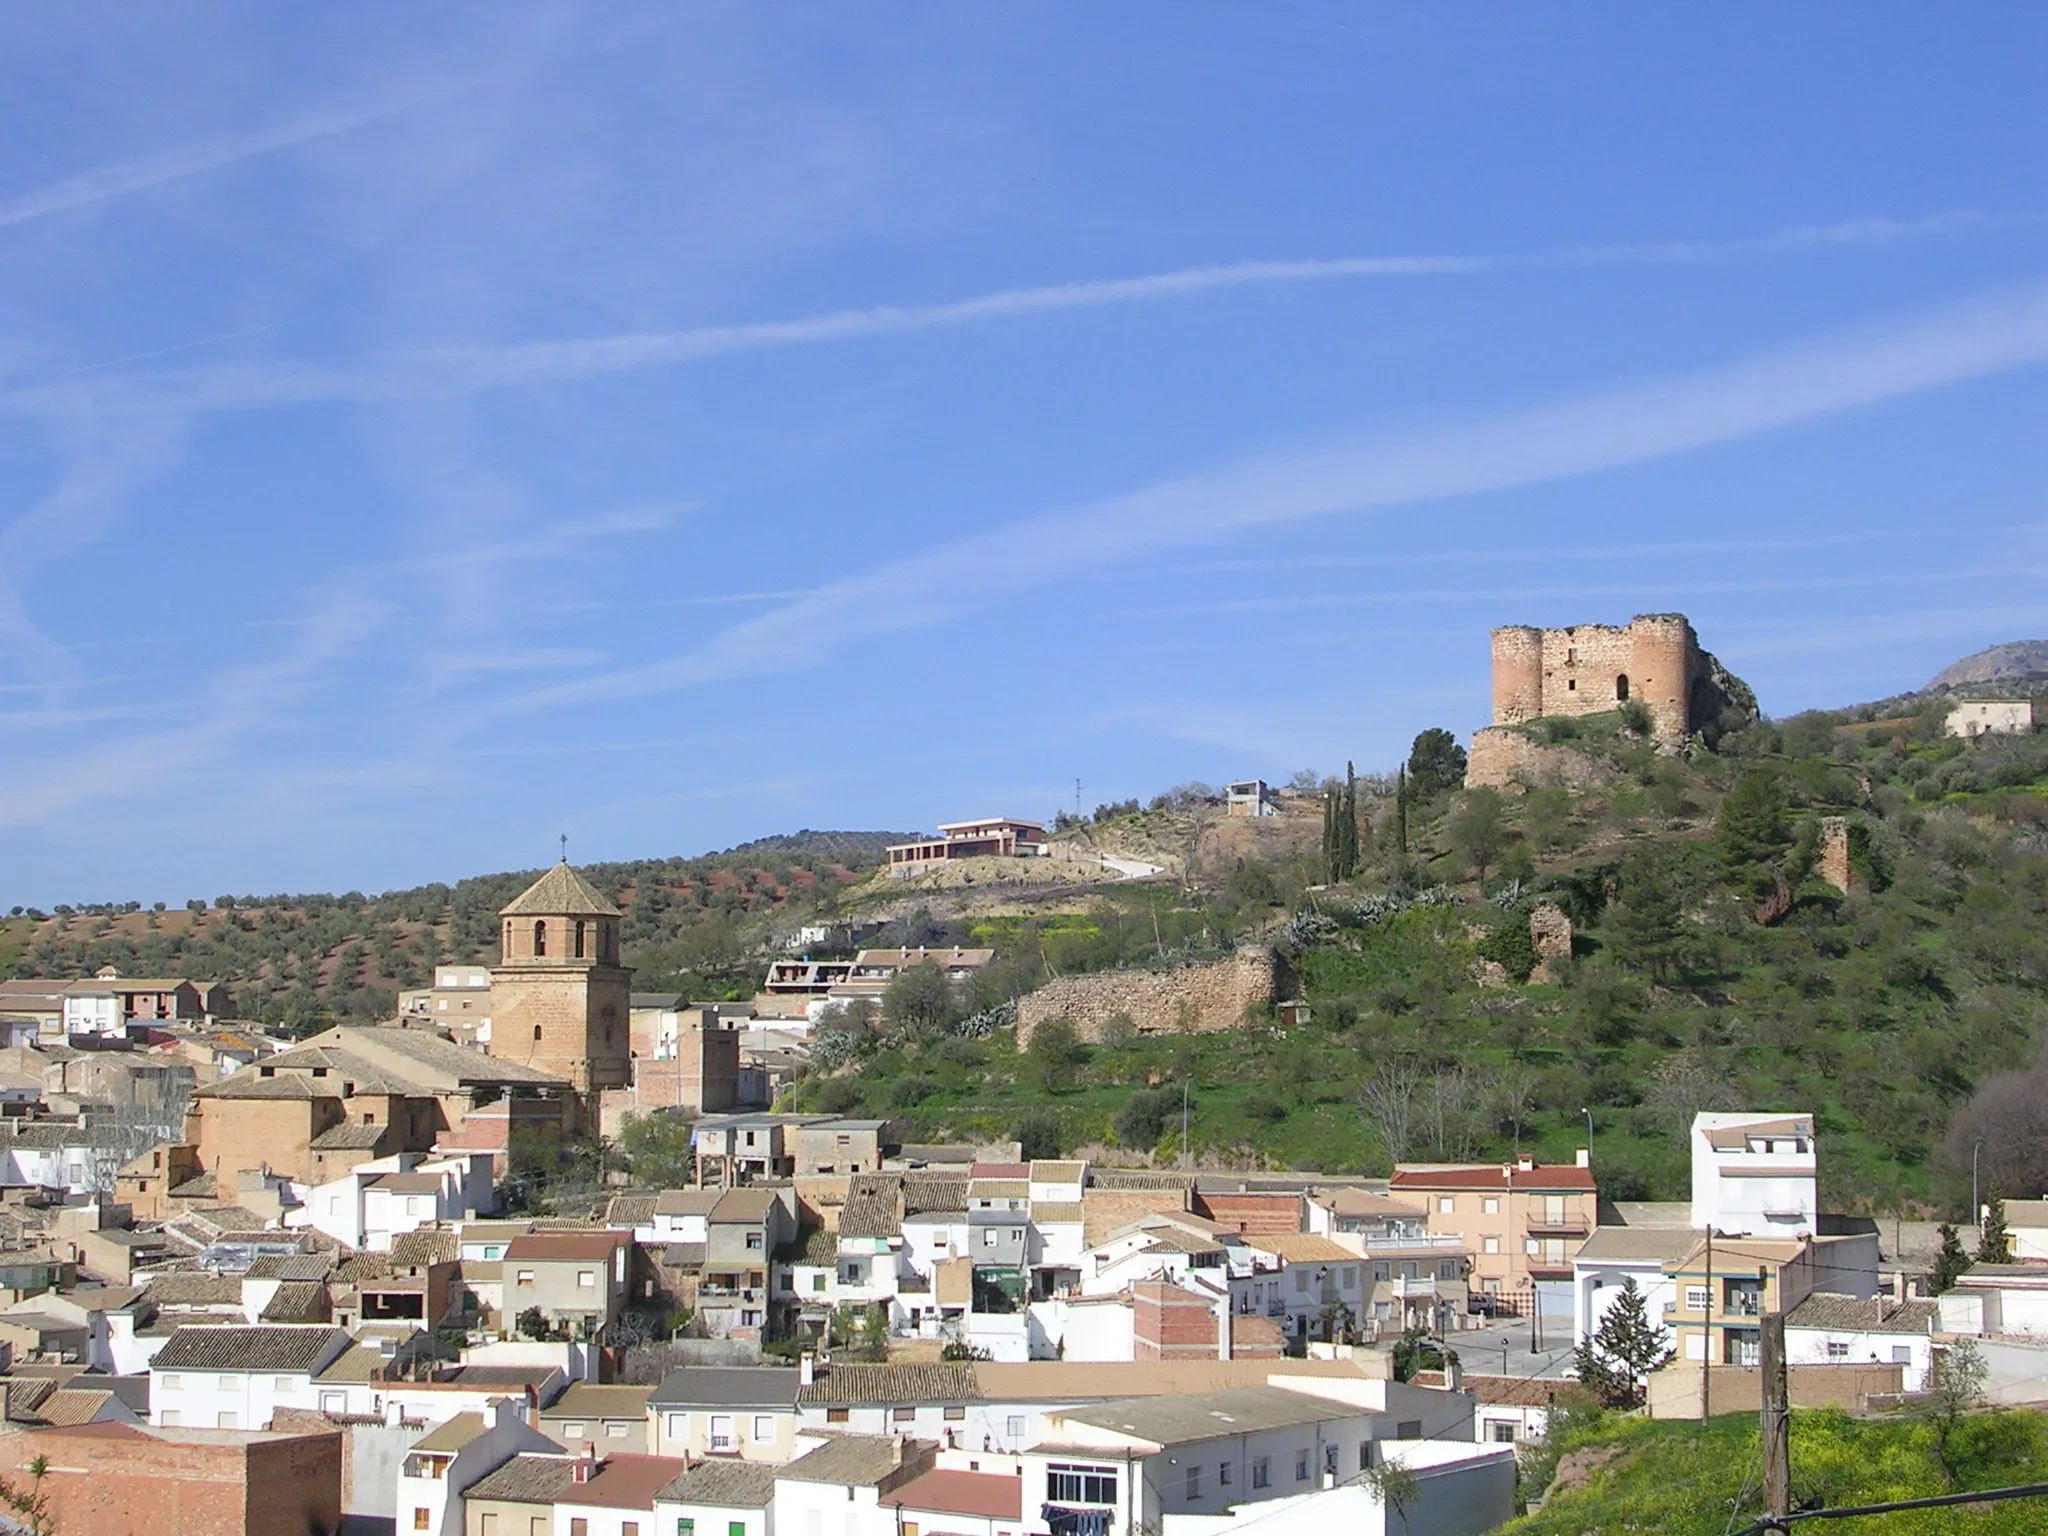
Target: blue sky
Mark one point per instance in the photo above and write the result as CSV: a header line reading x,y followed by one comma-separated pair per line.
x,y
424,431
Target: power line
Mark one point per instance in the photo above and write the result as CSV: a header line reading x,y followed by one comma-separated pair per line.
x,y
1938,1501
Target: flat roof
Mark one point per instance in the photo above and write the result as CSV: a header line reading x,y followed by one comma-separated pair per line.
x,y
1212,1415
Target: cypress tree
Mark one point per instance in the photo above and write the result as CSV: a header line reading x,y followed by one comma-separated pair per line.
x,y
1994,1243
1347,823
1951,1261
1401,810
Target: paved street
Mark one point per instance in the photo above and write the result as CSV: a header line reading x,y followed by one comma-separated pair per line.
x,y
1502,1348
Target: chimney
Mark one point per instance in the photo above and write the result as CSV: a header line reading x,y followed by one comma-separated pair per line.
x,y
1223,1331
806,1369
587,1464
1585,1157
1899,1287
1525,1163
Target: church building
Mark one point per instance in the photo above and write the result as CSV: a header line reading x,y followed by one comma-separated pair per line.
x,y
560,999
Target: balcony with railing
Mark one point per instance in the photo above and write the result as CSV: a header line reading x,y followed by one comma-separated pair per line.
x,y
1419,1242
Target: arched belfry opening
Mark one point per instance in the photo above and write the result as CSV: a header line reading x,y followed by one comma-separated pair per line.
x,y
1621,687
540,938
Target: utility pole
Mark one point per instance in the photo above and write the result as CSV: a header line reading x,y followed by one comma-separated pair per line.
x,y
1077,799
1707,1338
1776,1428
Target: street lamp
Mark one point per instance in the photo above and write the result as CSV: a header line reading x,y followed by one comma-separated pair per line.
x,y
1589,1133
1976,1210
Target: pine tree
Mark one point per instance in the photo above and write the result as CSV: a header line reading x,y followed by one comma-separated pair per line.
x,y
1615,1364
1951,1261
1994,1243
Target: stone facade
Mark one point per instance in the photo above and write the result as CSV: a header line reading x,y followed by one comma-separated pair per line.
x,y
1199,998
1551,932
1834,853
1587,669
1503,758
560,1001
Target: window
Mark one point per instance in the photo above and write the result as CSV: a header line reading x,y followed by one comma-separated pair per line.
x,y
1491,1245
227,1418
1902,1354
685,1526
1301,1466
988,1238
1408,1429
586,1279
170,1382
572,1431
1501,1431
615,1431
1014,1426
1695,1298
1444,1205
818,1283
1262,1472
1194,1482
525,1277
540,938
845,1141
1066,1484
1222,1474
902,1415
735,1528
1553,1210
629,1528
1348,1278
228,1383
722,1433
1621,687
1383,1270
1301,1282
1490,1206
422,1519
1447,1269
579,938
1364,1455
835,1415
173,1418
493,1251
1837,1350
754,1242
955,1413
764,1427
578,1526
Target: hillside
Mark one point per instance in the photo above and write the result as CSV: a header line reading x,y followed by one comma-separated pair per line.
x,y
1884,1011
2014,666
1688,1480
698,924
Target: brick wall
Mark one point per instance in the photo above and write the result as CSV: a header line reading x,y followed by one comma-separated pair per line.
x,y
1168,1323
1270,1215
1198,998
121,1480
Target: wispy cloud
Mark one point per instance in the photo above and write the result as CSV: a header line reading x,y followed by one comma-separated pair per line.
x,y
452,372
535,362
144,172
1629,425
35,788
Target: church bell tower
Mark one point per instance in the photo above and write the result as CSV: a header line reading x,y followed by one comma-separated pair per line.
x,y
560,999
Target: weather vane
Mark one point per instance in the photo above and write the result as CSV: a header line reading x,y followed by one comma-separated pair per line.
x,y
565,847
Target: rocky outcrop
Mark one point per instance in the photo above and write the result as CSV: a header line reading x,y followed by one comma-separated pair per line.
x,y
1721,702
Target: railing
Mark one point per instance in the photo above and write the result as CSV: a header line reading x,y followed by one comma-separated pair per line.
x,y
1379,1240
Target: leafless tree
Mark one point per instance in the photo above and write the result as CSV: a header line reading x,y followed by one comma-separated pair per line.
x,y
116,1134
1687,1085
1387,1103
1449,1104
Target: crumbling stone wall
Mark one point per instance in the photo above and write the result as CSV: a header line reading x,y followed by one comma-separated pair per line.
x,y
1200,998
1551,932
1503,758
1834,853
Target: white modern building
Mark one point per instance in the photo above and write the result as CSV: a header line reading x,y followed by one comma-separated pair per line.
x,y
234,1378
1754,1175
376,1201
445,1461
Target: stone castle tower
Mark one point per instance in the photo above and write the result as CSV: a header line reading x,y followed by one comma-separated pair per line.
x,y
1654,660
560,1000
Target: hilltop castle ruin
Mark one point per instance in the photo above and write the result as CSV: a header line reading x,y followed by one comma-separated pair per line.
x,y
1654,660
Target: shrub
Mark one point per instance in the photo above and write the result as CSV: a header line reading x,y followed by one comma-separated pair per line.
x,y
838,1096
1509,946
1141,1119
1038,1136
